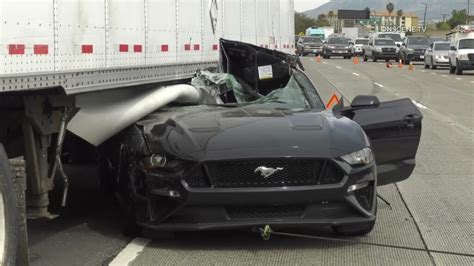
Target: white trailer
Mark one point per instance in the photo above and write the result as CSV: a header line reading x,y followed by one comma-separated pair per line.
x,y
51,51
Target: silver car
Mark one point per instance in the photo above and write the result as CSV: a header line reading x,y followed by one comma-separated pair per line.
x,y
437,55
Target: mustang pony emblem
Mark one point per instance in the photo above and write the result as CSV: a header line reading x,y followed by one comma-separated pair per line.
x,y
266,172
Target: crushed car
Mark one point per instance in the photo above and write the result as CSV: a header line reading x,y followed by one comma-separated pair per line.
x,y
258,147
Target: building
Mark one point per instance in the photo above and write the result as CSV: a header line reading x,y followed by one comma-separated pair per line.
x,y
377,21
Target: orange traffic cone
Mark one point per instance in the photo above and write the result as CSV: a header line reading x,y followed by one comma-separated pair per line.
x,y
411,67
388,65
318,59
400,64
356,60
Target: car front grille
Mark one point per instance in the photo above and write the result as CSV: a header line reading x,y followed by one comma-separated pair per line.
x,y
289,172
471,57
266,212
389,50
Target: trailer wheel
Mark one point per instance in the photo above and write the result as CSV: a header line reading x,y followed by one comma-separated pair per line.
x,y
7,213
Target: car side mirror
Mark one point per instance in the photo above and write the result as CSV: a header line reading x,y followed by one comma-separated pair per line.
x,y
453,48
365,101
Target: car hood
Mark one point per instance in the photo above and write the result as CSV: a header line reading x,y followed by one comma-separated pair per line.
x,y
204,133
466,51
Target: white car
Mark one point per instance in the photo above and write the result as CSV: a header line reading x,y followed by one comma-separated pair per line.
x,y
358,46
437,55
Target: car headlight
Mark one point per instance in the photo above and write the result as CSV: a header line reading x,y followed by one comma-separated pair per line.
x,y
306,46
463,57
410,50
438,56
378,49
362,157
331,47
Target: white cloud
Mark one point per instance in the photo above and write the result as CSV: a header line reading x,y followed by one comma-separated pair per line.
x,y
303,5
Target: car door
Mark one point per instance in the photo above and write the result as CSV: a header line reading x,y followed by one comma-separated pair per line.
x,y
394,130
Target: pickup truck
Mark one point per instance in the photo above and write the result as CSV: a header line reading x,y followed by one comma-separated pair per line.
x,y
461,53
380,48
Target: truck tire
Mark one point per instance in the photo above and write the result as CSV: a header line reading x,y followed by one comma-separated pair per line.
x,y
374,58
458,68
365,57
8,220
452,68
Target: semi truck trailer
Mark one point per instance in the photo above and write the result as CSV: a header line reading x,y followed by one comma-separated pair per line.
x,y
57,56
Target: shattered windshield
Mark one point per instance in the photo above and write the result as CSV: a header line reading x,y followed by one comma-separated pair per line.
x,y
228,91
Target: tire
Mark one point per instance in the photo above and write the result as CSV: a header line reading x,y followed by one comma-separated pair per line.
x,y
426,64
432,65
452,68
8,222
458,69
365,57
374,58
328,56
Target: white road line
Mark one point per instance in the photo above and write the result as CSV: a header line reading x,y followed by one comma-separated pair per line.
x,y
338,67
472,81
325,63
356,74
130,252
423,71
378,84
419,105
445,76
432,73
459,78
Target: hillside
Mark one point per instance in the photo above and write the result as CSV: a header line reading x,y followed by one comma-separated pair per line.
x,y
435,11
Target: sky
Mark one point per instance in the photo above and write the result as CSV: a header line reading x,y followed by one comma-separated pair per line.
x,y
303,5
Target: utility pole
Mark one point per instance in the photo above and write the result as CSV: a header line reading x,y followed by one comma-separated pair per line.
x,y
468,13
424,16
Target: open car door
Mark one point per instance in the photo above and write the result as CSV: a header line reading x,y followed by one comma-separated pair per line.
x,y
394,129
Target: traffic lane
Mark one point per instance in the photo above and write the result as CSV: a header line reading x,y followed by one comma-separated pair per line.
x,y
439,192
394,226
449,97
88,231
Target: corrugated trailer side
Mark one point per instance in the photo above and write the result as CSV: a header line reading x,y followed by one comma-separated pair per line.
x,y
86,45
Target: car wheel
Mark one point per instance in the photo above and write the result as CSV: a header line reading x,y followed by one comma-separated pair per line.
x,y
432,65
365,57
328,56
452,68
374,58
458,68
7,213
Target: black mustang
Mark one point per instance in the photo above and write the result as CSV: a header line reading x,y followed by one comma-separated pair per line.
x,y
261,149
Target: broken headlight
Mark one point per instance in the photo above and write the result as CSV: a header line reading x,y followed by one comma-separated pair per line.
x,y
157,161
362,157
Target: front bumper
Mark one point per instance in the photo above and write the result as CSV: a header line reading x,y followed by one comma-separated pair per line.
x,y
441,62
291,206
415,57
466,64
316,50
339,52
384,55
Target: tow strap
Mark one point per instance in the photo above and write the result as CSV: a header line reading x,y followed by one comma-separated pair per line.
x,y
266,232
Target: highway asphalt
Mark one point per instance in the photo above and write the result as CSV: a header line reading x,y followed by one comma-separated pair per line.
x,y
430,221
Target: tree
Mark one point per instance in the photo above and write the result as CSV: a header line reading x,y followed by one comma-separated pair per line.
x,y
302,22
399,16
444,26
390,7
458,17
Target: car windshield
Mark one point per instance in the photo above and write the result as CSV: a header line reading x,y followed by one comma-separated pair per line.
x,y
312,40
418,41
441,46
294,96
395,37
384,42
466,44
364,42
338,41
